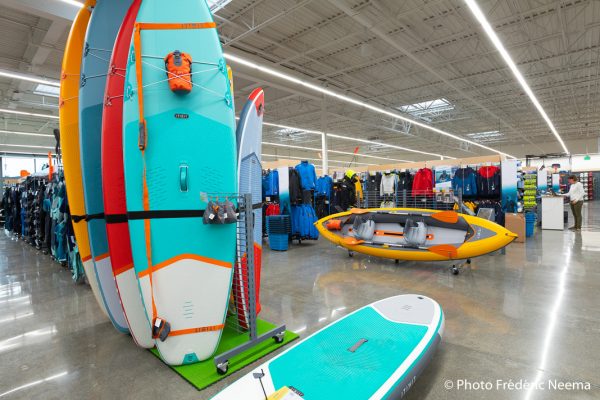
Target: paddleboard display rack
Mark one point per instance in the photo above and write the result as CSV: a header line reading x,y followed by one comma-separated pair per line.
x,y
245,232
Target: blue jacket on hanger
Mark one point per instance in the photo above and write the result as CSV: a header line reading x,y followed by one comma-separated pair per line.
x,y
308,176
466,180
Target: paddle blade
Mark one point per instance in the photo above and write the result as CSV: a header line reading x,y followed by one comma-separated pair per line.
x,y
450,217
445,250
359,211
351,241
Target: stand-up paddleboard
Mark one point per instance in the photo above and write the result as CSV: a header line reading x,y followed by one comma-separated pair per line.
x,y
414,234
249,143
179,152
113,183
99,41
69,140
376,352
284,191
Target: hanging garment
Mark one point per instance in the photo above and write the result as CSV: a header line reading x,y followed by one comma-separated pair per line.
x,y
423,183
465,180
323,186
358,190
270,183
308,176
489,181
388,184
405,181
295,187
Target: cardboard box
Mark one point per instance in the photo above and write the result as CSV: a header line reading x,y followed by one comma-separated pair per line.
x,y
516,224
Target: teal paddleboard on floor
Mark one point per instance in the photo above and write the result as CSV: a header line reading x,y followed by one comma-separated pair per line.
x,y
179,150
99,41
376,352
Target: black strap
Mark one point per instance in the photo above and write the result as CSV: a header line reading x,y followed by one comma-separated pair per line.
x,y
257,206
77,218
115,218
157,214
90,217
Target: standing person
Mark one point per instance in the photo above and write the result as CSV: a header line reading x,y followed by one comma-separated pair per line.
x,y
576,194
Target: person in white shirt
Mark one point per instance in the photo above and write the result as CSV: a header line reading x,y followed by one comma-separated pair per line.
x,y
576,195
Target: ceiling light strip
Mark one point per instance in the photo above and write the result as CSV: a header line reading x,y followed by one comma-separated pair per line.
x,y
356,140
29,78
513,67
315,159
26,133
29,114
354,101
332,151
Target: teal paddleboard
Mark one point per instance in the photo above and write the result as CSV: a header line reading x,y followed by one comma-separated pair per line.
x,y
179,153
376,352
100,37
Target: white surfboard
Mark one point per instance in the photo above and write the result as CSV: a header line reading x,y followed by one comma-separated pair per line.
x,y
249,141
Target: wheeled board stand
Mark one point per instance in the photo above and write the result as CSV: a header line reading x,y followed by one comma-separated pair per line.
x,y
246,235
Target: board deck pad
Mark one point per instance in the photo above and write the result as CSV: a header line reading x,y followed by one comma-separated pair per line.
x,y
69,140
375,352
249,142
99,42
113,183
189,157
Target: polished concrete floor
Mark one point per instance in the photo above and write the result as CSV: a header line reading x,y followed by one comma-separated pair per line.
x,y
530,315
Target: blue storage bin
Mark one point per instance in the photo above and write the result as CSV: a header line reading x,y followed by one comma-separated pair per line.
x,y
278,241
530,218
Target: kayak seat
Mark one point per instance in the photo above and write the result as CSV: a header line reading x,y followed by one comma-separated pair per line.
x,y
364,229
415,233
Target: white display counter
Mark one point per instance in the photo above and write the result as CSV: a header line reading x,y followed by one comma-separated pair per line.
x,y
553,208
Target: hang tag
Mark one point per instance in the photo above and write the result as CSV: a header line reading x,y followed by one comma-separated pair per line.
x,y
225,215
211,216
267,198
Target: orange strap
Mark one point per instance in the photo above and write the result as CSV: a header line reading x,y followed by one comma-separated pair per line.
x,y
201,329
137,44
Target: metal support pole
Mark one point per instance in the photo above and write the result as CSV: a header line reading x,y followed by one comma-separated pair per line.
x,y
324,155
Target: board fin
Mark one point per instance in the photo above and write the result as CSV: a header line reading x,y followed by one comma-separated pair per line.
x,y
450,217
446,250
352,241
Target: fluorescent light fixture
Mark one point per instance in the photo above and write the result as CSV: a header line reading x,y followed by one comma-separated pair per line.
x,y
28,78
43,89
73,3
513,67
26,133
29,114
331,151
357,140
26,145
314,159
27,153
354,101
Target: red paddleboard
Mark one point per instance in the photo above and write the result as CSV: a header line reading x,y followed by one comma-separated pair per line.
x,y
113,183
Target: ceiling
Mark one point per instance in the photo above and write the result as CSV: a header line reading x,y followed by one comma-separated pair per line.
x,y
429,60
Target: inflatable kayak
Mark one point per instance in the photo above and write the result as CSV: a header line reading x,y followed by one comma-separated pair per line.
x,y
376,352
414,234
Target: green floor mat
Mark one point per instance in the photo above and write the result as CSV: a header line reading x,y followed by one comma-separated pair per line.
x,y
204,374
